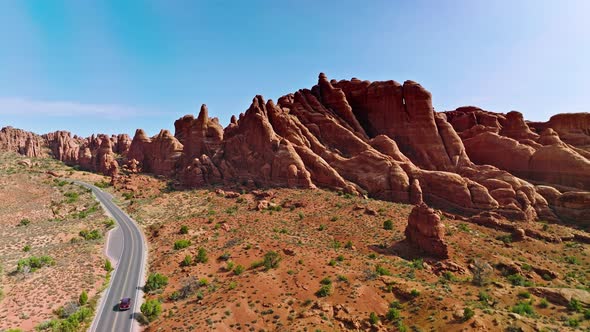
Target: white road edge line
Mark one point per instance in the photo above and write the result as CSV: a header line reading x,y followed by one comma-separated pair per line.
x,y
106,294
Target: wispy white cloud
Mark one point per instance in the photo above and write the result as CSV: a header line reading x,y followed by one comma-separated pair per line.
x,y
24,106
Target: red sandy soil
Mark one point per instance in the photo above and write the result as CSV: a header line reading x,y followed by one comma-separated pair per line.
x,y
29,193
312,228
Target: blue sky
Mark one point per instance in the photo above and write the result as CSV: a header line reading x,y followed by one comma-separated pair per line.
x,y
114,66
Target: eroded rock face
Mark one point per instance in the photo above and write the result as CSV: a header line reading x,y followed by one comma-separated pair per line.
x,y
425,231
513,146
573,128
158,155
382,139
20,141
94,153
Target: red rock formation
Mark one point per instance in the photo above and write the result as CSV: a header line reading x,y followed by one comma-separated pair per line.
x,y
516,148
158,155
120,144
573,128
198,136
252,150
383,139
20,141
94,153
425,231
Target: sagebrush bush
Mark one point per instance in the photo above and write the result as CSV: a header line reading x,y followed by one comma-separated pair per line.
x,y
181,244
155,281
151,309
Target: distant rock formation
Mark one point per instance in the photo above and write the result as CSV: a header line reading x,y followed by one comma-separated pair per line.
x,y
20,141
425,231
381,139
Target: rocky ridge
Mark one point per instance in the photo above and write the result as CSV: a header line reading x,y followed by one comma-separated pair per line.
x,y
381,139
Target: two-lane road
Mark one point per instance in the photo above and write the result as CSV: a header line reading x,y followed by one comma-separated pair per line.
x,y
127,278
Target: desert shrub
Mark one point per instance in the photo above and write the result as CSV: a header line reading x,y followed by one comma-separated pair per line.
x,y
271,260
229,265
151,309
187,261
90,235
33,263
415,293
201,256
507,238
184,229
67,310
482,272
393,314
388,224
463,227
128,196
24,222
27,248
572,322
60,183
348,245
71,196
256,264
543,303
174,296
373,318
326,281
417,263
181,244
342,278
83,299
467,314
108,224
102,184
325,290
155,281
518,280
224,257
232,285
484,297
239,270
108,266
189,287
574,305
572,260
524,295
382,271
523,308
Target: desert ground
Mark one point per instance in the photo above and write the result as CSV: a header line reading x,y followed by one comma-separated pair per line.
x,y
41,219
340,267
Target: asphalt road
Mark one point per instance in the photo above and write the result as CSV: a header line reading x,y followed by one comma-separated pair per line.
x,y
127,278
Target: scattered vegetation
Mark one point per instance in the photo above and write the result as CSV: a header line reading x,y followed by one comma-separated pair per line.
x,y
151,309
90,235
181,244
524,308
31,264
184,229
388,224
155,282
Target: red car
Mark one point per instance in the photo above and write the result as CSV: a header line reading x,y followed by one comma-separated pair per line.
x,y
125,304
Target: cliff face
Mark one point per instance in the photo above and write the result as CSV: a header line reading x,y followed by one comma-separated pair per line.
x,y
383,139
20,141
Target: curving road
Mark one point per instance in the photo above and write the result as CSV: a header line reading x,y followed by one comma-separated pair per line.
x,y
128,244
